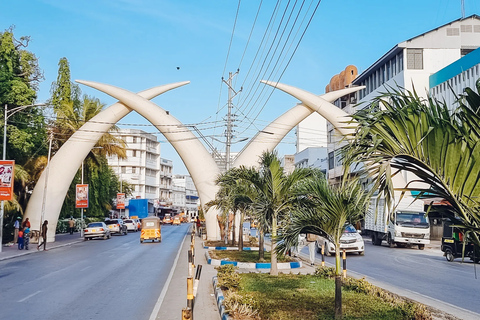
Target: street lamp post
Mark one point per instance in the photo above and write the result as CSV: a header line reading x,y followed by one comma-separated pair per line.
x,y
8,114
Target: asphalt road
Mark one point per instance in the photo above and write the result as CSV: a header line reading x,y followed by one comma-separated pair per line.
x,y
117,279
425,272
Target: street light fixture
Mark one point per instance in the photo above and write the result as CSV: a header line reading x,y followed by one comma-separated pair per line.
x,y
8,114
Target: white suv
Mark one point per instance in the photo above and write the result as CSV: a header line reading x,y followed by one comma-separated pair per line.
x,y
116,226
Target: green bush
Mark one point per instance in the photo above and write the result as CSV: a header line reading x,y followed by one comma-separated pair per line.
x,y
62,225
227,276
253,240
325,272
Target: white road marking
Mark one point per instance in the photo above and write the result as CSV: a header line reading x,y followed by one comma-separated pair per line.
x,y
28,297
155,311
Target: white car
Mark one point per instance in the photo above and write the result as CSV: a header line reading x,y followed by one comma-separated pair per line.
x,y
131,224
351,241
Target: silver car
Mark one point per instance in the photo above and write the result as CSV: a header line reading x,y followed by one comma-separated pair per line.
x,y
351,241
131,225
96,230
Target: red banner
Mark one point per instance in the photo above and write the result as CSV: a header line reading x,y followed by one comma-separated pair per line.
x,y
6,179
120,200
81,196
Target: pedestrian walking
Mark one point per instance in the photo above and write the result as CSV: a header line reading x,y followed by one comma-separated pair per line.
x,y
43,234
16,225
26,237
26,224
311,247
71,225
20,238
199,224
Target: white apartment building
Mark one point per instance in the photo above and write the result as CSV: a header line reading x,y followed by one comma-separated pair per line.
x,y
312,158
141,169
191,201
166,174
409,65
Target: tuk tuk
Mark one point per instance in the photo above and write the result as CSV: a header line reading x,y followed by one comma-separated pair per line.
x,y
151,229
453,243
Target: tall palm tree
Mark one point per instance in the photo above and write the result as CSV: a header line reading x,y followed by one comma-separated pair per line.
x,y
400,131
326,212
275,195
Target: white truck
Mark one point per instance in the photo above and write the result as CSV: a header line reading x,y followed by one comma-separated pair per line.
x,y
407,225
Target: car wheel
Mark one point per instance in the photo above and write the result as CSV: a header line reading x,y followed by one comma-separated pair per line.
x,y
85,239
361,253
319,249
141,240
421,247
449,255
327,250
109,236
105,237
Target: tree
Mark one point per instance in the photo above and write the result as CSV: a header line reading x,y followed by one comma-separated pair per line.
x,y
400,131
237,196
275,195
72,113
326,212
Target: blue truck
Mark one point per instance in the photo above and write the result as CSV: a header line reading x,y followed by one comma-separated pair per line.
x,y
138,208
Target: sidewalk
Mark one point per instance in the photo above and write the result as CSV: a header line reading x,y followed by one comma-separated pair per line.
x,y
175,299
61,240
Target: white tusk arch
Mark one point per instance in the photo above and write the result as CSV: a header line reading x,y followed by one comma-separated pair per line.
x,y
268,138
197,159
64,165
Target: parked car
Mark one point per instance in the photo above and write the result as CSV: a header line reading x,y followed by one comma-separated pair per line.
x,y
116,226
131,225
96,230
351,241
176,220
167,219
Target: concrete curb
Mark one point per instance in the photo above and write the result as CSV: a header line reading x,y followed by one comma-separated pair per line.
x,y
230,248
30,251
219,298
253,265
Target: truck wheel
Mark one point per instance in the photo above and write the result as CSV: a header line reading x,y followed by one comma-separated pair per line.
x,y
390,241
374,238
421,247
449,255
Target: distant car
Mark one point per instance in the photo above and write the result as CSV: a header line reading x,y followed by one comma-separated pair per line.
x,y
167,219
96,230
131,225
351,241
139,224
116,226
176,220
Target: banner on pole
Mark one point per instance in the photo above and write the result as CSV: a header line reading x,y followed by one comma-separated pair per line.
x,y
6,179
81,196
120,200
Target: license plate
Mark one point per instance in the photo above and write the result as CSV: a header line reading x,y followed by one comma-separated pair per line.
x,y
350,245
94,230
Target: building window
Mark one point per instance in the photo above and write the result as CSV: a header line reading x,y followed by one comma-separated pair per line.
x,y
400,62
134,139
415,59
331,160
134,169
123,169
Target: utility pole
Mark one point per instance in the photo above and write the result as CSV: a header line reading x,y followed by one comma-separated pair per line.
x,y
229,132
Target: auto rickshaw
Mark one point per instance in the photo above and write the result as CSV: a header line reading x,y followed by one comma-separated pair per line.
x,y
151,229
453,243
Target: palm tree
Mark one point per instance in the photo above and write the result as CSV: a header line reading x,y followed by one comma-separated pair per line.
x,y
326,212
275,195
400,131
237,197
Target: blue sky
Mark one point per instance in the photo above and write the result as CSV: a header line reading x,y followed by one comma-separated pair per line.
x,y
138,44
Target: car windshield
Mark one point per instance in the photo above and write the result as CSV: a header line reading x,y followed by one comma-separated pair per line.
x,y
412,219
95,225
350,229
128,221
111,222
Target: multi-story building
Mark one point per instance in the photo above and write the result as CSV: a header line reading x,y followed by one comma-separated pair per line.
x,y
192,202
166,174
407,65
141,168
312,158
